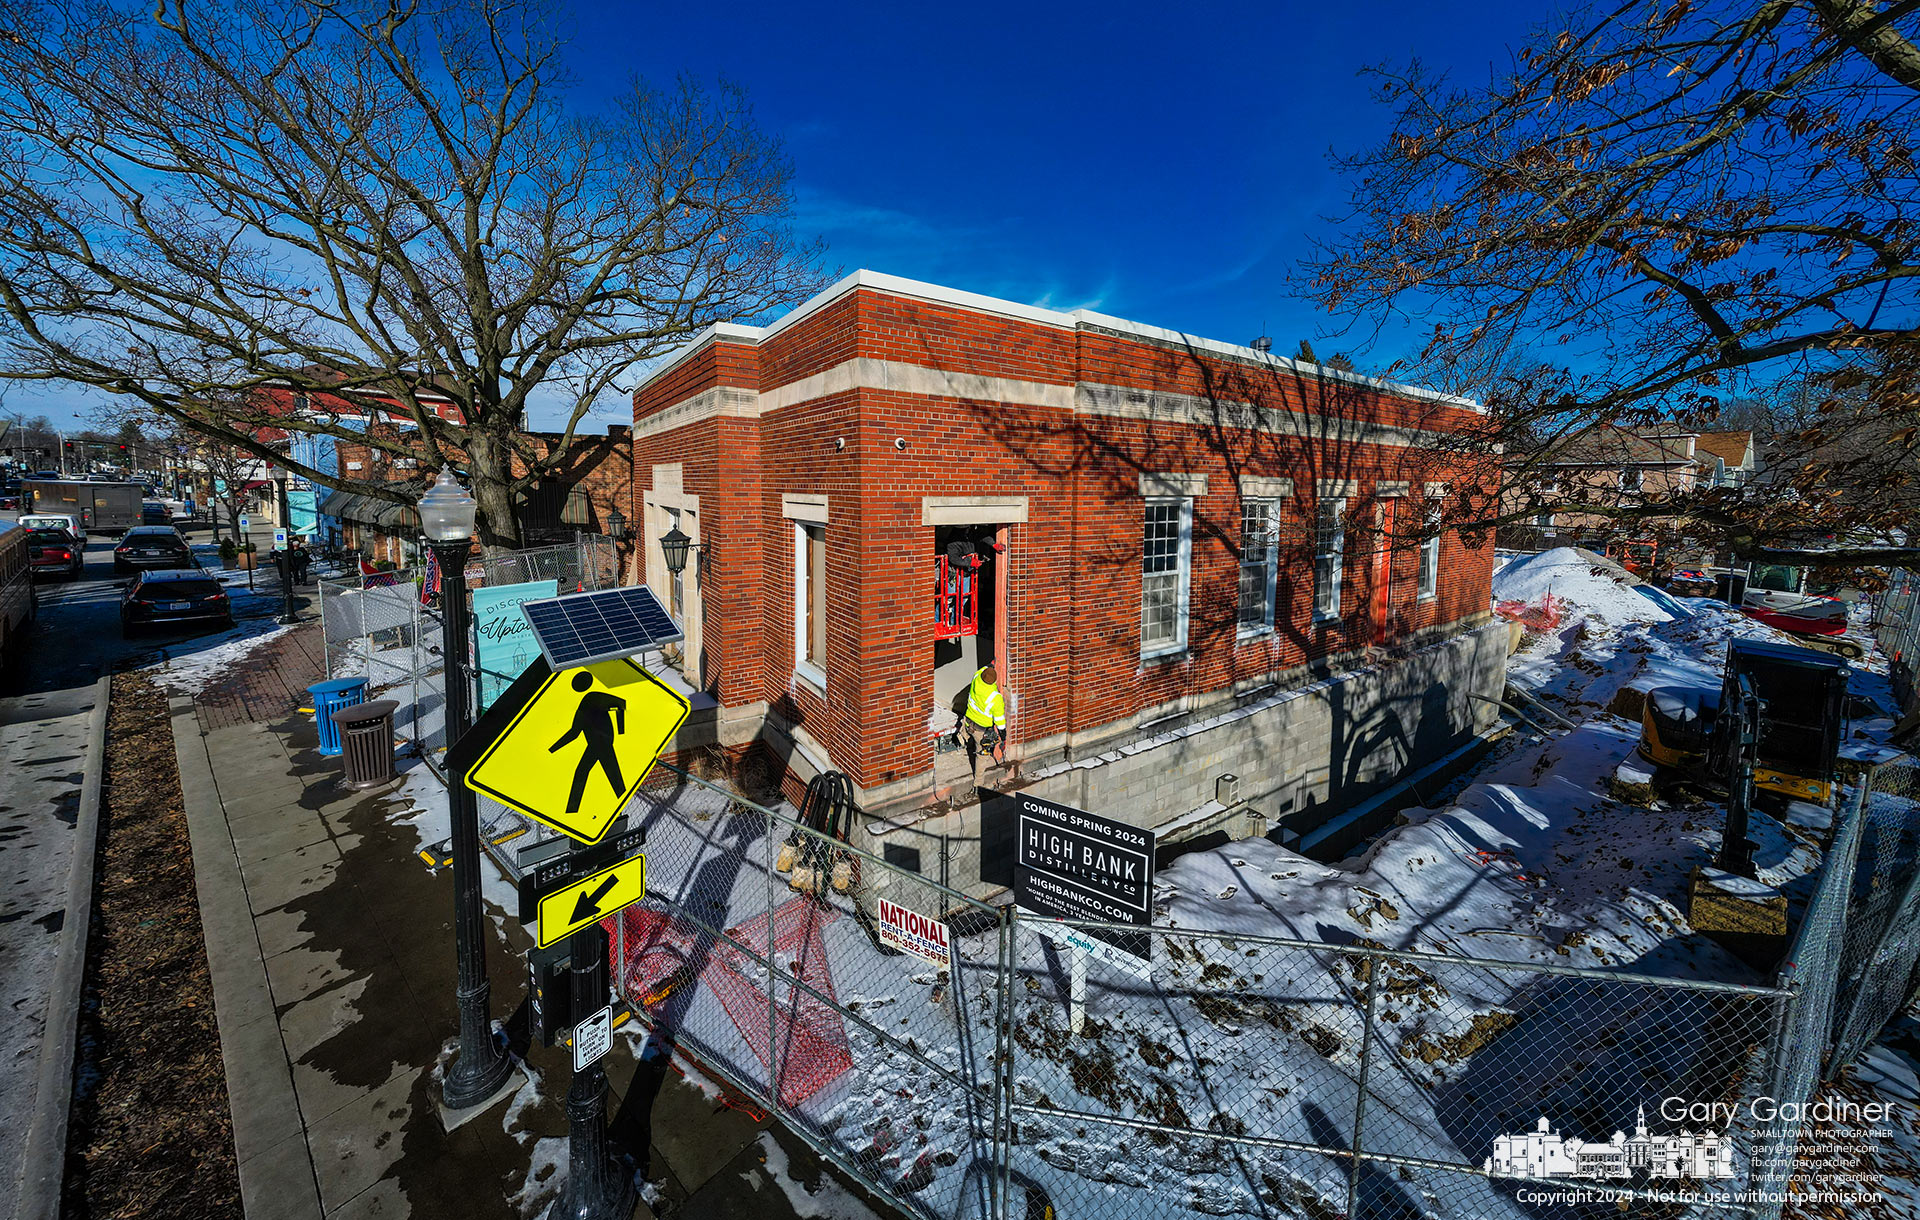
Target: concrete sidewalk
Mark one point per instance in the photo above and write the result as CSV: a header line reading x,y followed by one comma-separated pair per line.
x,y
331,951
49,812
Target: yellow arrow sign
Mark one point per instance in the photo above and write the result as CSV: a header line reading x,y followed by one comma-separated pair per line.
x,y
576,752
591,899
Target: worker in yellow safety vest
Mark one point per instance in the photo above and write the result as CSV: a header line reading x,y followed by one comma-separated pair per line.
x,y
984,725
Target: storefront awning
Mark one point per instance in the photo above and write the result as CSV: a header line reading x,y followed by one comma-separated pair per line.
x,y
336,503
382,515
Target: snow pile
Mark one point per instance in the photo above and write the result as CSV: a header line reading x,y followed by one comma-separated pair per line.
x,y
1588,585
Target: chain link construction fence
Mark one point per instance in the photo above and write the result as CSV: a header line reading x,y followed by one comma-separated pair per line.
x,y
383,627
1240,1074
1896,629
1260,1076
997,1073
761,947
1880,949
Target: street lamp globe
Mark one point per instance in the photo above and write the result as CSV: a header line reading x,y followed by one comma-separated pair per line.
x,y
447,511
673,545
617,525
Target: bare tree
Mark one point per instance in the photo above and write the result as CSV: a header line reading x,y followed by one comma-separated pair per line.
x,y
33,437
299,214
1659,207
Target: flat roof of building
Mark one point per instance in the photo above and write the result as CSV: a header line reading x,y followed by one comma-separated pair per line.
x,y
1076,319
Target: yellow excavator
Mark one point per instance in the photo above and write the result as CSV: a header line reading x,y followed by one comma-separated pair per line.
x,y
1798,698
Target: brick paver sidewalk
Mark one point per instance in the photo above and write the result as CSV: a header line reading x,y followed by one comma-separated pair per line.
x,y
270,683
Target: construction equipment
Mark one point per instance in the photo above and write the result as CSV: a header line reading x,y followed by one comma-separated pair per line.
x,y
1800,703
814,863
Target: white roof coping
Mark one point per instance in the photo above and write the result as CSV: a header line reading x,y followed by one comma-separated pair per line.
x,y
921,290
1239,351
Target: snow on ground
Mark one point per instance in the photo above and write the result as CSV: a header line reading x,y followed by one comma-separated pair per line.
x,y
1600,590
187,666
1532,862
1882,1163
1613,634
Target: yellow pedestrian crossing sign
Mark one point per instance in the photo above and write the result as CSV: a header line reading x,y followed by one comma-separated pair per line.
x,y
591,899
576,750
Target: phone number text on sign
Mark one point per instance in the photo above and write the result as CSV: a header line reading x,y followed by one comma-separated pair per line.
x,y
912,932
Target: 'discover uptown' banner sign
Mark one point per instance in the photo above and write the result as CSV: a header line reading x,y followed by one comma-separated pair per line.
x,y
503,643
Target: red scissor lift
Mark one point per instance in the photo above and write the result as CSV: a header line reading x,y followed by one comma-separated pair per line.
x,y
957,593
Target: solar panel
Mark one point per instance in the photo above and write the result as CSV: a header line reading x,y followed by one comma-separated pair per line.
x,y
582,628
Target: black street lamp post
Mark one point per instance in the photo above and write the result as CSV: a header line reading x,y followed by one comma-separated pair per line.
x,y
285,555
481,1067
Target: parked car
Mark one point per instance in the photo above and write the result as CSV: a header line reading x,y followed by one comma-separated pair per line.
x,y
55,552
157,598
152,512
9,500
56,521
152,546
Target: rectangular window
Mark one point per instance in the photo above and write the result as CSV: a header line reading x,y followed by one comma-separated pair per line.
x,y
817,594
810,602
1166,557
1329,552
1429,583
1258,543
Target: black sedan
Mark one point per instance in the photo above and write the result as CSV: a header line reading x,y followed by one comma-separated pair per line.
x,y
174,597
152,512
55,552
152,546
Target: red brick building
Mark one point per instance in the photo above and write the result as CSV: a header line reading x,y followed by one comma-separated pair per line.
x,y
591,482
1200,560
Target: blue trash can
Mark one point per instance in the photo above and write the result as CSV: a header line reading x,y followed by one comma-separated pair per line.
x,y
328,698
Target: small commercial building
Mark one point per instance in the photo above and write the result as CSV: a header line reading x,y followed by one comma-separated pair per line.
x,y
1216,582
585,490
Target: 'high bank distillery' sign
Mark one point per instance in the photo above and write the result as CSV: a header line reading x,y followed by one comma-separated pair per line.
x,y
1074,865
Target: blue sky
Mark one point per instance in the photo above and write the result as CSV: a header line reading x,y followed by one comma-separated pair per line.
x,y
1164,163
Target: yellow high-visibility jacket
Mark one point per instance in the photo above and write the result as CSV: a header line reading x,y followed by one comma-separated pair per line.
x,y
984,705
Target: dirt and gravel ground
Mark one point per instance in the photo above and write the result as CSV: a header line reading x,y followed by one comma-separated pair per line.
x,y
151,1133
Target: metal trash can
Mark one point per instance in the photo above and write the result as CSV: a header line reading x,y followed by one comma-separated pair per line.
x,y
328,698
366,735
